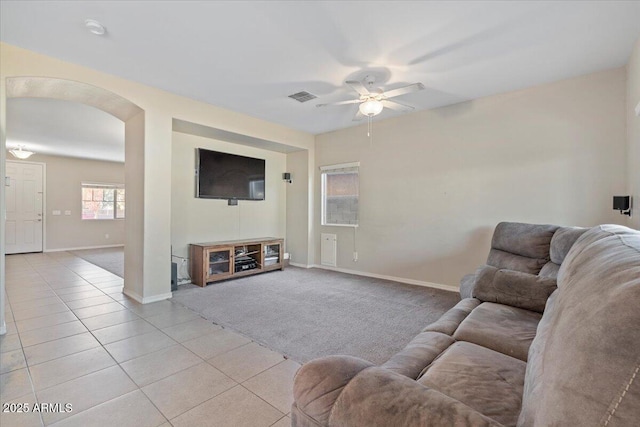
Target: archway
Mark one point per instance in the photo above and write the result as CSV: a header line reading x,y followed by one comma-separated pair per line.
x,y
133,118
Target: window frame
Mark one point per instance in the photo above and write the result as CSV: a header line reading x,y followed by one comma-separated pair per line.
x,y
104,186
336,169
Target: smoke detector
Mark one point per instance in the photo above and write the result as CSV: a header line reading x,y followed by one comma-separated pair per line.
x,y
95,27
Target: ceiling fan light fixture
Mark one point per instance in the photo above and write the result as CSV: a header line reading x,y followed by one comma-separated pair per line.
x,y
371,108
21,154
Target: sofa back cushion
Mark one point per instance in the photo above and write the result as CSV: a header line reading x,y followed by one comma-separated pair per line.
x,y
521,247
561,242
583,366
513,288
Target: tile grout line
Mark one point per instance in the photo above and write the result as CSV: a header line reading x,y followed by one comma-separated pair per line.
x,y
119,364
285,416
259,397
27,365
33,389
138,387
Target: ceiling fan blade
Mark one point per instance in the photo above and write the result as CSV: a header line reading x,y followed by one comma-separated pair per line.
x,y
395,105
358,116
358,87
351,101
404,90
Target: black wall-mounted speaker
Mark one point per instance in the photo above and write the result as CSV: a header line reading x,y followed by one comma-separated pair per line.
x,y
621,203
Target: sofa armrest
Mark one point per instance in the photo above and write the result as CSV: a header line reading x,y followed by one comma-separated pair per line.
x,y
379,397
514,288
318,384
470,282
467,283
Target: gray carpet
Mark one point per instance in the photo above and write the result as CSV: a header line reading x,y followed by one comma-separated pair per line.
x,y
111,259
305,314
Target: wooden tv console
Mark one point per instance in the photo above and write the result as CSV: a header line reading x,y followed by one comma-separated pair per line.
x,y
215,261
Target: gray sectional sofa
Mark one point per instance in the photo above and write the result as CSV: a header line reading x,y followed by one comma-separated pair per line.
x,y
516,350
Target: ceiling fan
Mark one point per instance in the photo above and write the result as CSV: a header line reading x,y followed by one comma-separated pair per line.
x,y
373,100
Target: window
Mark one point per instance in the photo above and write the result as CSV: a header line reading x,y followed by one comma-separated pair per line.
x,y
340,192
102,201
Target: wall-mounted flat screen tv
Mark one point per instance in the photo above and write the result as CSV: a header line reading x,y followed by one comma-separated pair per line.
x,y
228,176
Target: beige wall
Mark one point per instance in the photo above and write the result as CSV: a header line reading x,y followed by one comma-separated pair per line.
x,y
633,134
433,184
64,176
298,232
195,220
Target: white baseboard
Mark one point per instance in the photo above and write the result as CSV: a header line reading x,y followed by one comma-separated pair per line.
x,y
132,295
147,300
156,298
392,278
81,248
295,264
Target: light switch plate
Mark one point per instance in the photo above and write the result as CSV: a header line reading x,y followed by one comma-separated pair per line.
x,y
67,213
55,213
7,181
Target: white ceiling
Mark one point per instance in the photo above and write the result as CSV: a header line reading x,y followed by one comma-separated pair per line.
x,y
248,56
64,128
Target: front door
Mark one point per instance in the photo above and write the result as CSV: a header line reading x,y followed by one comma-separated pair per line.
x,y
23,196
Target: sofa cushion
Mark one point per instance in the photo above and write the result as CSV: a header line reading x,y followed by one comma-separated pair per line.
x,y
487,381
420,352
505,329
584,364
562,241
449,321
501,259
377,397
527,240
514,288
550,270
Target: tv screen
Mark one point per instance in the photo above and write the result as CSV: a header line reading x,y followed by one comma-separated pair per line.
x,y
228,176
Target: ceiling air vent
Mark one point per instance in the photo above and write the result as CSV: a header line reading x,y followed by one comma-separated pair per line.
x,y
303,96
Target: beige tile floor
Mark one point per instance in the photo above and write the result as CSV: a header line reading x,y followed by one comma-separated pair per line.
x,y
73,337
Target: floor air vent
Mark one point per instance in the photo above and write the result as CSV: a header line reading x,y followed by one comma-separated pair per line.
x,y
303,96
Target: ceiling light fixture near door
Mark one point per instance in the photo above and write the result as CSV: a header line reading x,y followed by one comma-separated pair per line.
x,y
95,27
20,153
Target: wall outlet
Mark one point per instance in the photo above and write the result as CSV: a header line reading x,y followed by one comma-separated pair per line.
x,y
355,257
287,255
67,213
106,236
